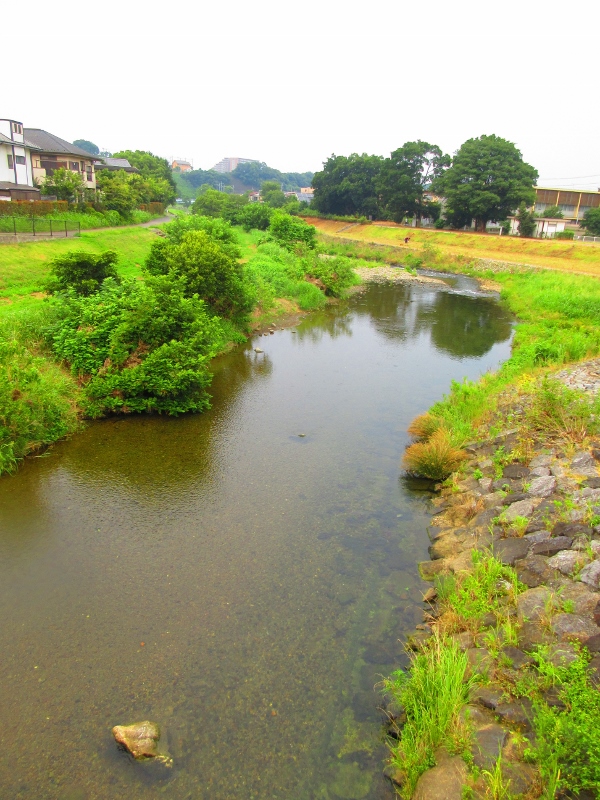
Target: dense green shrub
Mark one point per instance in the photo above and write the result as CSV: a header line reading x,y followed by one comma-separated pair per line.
x,y
139,346
256,216
564,235
292,232
275,272
335,274
207,268
80,271
37,402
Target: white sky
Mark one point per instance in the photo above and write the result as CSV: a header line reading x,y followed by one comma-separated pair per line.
x,y
290,83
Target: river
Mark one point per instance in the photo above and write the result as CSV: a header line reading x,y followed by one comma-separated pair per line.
x,y
241,584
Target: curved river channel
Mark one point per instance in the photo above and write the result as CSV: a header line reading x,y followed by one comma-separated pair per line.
x,y
241,585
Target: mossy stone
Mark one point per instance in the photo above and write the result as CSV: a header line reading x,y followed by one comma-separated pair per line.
x,y
351,783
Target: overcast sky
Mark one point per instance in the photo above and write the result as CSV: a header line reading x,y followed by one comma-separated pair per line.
x,y
291,83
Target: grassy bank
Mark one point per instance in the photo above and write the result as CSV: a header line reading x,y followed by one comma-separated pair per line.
x,y
85,220
567,256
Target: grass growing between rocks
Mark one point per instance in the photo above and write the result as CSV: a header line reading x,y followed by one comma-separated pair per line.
x,y
432,695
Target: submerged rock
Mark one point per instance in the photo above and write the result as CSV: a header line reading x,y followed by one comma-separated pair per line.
x,y
140,739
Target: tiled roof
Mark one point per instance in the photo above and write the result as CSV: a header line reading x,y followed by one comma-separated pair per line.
x,y
49,143
6,140
21,186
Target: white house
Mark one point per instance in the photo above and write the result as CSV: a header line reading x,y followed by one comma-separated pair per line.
x,y
545,227
16,169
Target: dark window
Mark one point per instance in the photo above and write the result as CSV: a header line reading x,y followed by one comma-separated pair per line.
x,y
10,162
20,160
75,166
89,173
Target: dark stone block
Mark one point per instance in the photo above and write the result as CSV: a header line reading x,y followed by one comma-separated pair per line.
x,y
488,696
514,498
594,670
571,529
487,745
592,483
515,471
552,546
510,550
518,713
518,657
533,571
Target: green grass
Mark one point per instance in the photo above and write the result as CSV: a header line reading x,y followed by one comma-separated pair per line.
x,y
24,267
432,694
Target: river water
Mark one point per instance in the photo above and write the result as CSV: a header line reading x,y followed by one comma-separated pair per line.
x,y
242,585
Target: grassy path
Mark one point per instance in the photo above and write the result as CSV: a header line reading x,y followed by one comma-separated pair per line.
x,y
564,255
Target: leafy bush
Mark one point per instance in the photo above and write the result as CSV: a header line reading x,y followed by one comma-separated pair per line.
x,y
82,272
435,458
256,216
275,272
139,346
37,402
291,232
207,268
218,229
564,235
335,274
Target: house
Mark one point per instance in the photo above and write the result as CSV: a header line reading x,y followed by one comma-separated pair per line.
x,y
574,204
52,153
182,165
114,164
545,227
16,169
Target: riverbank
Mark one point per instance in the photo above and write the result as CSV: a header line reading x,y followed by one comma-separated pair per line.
x,y
502,693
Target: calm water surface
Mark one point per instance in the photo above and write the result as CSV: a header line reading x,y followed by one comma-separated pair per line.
x,y
241,585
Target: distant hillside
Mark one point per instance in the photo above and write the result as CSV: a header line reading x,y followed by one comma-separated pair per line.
x,y
244,178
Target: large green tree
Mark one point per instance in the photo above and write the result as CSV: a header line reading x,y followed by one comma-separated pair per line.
x,y
151,166
592,221
256,173
271,193
63,184
406,175
348,185
487,181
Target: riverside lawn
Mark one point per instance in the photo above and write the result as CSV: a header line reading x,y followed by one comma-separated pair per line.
x,y
66,356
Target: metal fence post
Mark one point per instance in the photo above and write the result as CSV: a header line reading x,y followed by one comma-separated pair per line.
x,y
15,225
66,234
33,224
51,234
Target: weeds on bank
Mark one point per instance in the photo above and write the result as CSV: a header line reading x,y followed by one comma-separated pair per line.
x,y
432,693
434,458
464,598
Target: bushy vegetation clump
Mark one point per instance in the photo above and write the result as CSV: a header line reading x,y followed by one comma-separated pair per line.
x,y
81,271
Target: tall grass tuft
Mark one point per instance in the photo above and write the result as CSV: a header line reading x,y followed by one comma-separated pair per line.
x,y
423,426
435,458
432,694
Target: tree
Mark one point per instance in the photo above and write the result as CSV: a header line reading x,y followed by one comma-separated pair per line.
x,y
271,193
487,181
151,166
348,185
255,173
88,146
551,212
204,177
210,204
83,272
256,215
592,221
290,231
406,175
116,191
526,221
63,183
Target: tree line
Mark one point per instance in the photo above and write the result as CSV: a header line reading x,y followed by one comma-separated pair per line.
x,y
486,180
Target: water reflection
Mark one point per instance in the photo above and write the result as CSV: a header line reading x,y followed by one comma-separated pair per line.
x,y
212,574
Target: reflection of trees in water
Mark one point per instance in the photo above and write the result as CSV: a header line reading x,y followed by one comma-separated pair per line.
x,y
330,324
157,455
467,327
460,325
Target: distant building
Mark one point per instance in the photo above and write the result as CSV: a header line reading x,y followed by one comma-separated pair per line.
x,y
16,168
182,165
573,203
307,190
545,227
229,164
114,164
50,153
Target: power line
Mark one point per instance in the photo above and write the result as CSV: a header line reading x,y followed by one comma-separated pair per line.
x,y
574,177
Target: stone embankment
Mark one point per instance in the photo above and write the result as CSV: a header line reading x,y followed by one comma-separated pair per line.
x,y
539,515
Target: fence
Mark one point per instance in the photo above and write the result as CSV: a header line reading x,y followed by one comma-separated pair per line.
x,y
37,226
587,238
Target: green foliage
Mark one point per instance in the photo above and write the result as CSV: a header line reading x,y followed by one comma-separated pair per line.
x,y
196,178
254,174
432,695
557,411
210,204
151,167
88,146
348,185
63,183
276,272
256,216
405,176
80,271
138,347
335,274
567,738
552,212
36,403
526,221
592,221
488,180
271,193
435,458
564,235
218,229
122,191
207,268
291,232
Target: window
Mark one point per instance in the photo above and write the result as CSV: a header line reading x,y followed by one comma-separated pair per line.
x,y
20,160
10,161
17,128
89,173
75,166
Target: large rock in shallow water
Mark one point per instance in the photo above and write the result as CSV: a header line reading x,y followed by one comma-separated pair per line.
x,y
140,739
